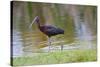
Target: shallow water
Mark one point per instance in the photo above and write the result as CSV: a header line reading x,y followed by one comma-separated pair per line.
x,y
79,23
29,43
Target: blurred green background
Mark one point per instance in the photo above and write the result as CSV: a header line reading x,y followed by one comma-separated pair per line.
x,y
78,21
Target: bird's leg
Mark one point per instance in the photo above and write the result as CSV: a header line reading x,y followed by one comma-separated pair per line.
x,y
49,43
61,47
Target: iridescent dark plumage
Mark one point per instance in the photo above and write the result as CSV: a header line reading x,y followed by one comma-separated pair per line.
x,y
51,31
47,29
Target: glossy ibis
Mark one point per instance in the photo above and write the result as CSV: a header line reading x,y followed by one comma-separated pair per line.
x,y
47,29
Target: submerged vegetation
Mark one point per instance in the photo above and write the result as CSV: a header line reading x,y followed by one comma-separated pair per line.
x,y
57,57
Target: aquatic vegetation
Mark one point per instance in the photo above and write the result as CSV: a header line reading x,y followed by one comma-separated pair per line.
x,y
57,57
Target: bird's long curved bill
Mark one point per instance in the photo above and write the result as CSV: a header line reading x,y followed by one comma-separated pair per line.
x,y
31,24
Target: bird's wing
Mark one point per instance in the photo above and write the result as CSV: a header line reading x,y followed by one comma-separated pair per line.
x,y
50,29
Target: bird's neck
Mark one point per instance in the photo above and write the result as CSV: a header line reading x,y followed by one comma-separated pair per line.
x,y
38,23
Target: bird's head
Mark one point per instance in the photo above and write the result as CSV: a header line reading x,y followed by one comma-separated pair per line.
x,y
35,20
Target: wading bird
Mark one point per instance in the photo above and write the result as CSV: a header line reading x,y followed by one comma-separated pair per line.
x,y
47,29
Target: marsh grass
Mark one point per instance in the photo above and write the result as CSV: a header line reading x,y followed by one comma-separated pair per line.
x,y
57,57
